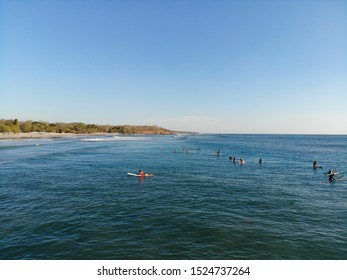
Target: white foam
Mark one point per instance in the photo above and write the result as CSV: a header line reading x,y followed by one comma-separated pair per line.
x,y
115,138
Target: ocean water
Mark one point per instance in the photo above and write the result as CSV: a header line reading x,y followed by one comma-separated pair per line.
x,y
72,198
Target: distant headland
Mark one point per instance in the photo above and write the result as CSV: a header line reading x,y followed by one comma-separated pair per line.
x,y
38,129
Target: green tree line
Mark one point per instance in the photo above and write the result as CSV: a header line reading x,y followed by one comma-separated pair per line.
x,y
15,126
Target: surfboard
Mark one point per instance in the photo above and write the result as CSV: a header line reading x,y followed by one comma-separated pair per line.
x,y
132,174
338,178
137,175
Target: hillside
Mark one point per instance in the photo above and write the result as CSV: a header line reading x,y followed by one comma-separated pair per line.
x,y
16,126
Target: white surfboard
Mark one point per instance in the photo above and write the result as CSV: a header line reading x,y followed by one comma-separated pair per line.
x,y
137,175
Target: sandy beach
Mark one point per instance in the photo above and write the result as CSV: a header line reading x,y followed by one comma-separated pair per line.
x,y
37,135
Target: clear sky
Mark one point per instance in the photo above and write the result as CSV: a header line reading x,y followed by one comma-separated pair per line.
x,y
233,66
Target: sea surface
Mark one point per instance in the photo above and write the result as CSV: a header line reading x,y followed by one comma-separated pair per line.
x,y
72,198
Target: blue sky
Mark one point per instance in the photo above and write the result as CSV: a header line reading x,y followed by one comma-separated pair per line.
x,y
207,66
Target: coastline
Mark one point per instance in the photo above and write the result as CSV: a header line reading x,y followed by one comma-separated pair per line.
x,y
45,135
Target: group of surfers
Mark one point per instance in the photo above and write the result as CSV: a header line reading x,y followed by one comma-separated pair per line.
x,y
331,173
241,161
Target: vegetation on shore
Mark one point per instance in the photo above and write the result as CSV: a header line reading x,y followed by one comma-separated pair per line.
x,y
15,126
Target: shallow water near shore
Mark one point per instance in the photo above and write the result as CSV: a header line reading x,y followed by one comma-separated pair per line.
x,y
72,198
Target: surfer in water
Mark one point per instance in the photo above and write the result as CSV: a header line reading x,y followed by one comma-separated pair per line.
x,y
332,177
260,161
141,174
332,172
315,164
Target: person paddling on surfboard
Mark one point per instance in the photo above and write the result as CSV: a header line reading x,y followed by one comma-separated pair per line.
x,y
140,174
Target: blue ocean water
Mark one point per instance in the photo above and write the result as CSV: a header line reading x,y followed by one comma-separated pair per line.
x,y
72,198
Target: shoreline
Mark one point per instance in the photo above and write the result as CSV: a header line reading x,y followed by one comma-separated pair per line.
x,y
56,135
46,135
